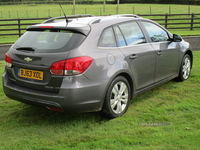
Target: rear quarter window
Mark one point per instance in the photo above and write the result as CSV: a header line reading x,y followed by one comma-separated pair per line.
x,y
107,39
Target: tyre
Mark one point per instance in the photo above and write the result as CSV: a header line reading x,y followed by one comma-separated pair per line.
x,y
117,98
185,68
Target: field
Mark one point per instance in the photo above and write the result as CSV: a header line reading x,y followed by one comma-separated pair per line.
x,y
165,118
39,11
33,11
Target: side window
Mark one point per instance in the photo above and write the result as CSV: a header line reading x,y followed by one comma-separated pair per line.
x,y
107,38
120,39
132,33
156,33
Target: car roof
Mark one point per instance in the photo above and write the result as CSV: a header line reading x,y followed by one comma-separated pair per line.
x,y
83,20
83,23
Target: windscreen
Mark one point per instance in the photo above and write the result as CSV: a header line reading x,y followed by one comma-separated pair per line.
x,y
50,40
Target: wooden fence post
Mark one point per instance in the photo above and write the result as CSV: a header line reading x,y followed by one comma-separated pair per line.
x,y
117,10
49,14
37,13
104,6
188,9
19,30
192,21
150,9
166,20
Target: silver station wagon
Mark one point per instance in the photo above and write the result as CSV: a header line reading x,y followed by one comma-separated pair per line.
x,y
85,63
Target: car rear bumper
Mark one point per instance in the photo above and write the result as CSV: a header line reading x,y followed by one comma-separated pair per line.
x,y
72,96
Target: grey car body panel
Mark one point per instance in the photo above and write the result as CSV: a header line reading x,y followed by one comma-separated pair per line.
x,y
165,52
145,66
70,96
142,64
40,62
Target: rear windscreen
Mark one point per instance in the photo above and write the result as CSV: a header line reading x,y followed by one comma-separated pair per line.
x,y
50,40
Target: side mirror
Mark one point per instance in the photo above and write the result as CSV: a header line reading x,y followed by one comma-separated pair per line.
x,y
176,38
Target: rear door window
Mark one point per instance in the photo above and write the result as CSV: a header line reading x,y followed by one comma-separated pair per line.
x,y
120,38
132,33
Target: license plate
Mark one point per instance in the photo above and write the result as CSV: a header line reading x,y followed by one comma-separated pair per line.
x,y
31,74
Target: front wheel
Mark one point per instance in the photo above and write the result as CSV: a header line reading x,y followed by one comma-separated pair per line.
x,y
185,68
117,98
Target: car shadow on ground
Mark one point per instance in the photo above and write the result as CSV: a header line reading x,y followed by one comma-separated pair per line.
x,y
36,115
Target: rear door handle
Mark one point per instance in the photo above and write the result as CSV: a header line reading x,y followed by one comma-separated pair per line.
x,y
159,53
133,56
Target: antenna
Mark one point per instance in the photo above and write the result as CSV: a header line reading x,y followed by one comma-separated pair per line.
x,y
64,14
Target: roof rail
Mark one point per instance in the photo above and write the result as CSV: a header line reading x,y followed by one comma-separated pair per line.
x,y
129,15
97,20
69,16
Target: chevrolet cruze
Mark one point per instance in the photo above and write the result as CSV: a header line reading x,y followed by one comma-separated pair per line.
x,y
86,63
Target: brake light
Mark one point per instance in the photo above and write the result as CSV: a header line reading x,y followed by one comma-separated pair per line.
x,y
71,66
46,26
57,68
8,60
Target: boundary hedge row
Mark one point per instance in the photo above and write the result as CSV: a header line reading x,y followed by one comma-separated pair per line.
x,y
185,2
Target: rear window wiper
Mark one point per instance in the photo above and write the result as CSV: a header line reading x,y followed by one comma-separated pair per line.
x,y
25,48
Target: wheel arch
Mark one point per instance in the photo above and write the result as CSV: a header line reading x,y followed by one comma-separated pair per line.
x,y
106,107
130,81
189,52
180,77
128,77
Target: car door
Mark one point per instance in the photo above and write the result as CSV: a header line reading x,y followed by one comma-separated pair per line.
x,y
166,51
138,53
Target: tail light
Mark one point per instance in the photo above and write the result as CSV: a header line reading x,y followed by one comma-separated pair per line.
x,y
71,66
8,60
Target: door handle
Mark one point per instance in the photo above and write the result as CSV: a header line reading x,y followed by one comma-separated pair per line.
x,y
133,56
159,53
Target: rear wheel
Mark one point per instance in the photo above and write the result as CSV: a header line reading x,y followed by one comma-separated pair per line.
x,y
117,98
185,68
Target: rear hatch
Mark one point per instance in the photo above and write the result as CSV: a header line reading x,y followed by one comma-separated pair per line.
x,y
33,57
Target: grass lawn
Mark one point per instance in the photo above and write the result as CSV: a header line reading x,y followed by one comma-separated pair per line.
x,y
165,118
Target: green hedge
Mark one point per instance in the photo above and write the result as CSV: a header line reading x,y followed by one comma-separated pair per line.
x,y
55,2
186,2
30,2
